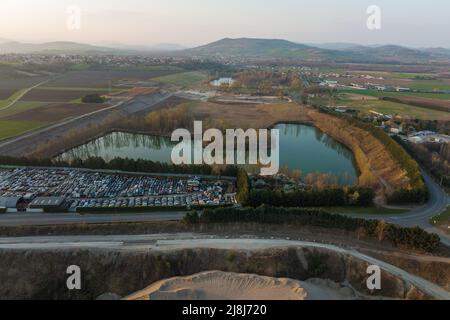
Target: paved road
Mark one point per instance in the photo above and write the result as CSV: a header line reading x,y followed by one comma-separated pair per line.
x,y
41,219
417,217
169,242
421,216
26,143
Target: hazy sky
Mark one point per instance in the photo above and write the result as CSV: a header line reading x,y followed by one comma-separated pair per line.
x,y
192,22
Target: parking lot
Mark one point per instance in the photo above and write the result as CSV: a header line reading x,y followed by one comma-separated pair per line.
x,y
87,189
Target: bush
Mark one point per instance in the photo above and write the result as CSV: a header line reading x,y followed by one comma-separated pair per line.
x,y
243,186
334,197
145,166
417,193
93,98
411,237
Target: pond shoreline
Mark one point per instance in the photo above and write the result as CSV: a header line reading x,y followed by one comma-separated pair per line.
x,y
333,155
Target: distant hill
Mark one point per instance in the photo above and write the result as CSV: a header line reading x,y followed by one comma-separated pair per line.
x,y
438,51
257,48
250,49
334,45
391,52
143,48
51,47
338,52
4,40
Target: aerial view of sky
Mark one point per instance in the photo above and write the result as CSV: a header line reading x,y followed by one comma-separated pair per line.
x,y
193,22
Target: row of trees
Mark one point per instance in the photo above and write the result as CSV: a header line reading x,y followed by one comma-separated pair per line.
x,y
434,157
400,236
166,120
332,197
93,98
417,193
243,186
131,165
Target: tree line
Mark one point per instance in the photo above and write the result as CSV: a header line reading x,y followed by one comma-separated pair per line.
x,y
417,193
123,164
330,197
415,238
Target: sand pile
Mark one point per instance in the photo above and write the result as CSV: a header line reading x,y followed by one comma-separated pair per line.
x,y
218,285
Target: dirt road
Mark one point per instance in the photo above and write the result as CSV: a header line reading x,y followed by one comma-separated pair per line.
x,y
167,242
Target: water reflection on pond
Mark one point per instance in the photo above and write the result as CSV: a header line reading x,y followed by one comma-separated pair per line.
x,y
302,147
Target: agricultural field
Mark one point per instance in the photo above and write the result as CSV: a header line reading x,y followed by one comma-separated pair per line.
x,y
380,94
103,79
60,98
183,79
7,93
19,107
430,85
244,116
10,129
5,103
55,112
40,107
59,95
367,104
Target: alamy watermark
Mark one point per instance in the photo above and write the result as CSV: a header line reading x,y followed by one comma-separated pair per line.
x,y
374,19
242,147
374,280
74,280
73,21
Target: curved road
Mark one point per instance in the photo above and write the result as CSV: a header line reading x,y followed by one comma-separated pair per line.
x,y
190,241
420,217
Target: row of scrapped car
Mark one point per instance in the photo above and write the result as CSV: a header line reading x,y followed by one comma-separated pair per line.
x,y
89,189
86,184
203,198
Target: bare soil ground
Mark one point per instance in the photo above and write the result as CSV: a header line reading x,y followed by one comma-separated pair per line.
x,y
8,86
6,93
101,79
138,91
248,115
57,95
434,268
424,102
55,112
219,285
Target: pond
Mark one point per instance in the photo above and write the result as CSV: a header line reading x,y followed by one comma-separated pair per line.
x,y
302,147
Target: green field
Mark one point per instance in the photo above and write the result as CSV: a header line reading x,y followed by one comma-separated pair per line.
x,y
379,94
431,86
442,220
411,76
20,106
365,210
393,108
5,103
75,89
10,129
183,79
